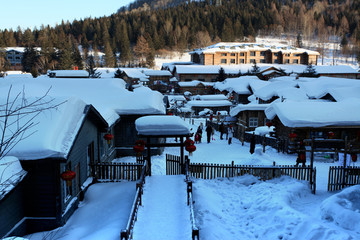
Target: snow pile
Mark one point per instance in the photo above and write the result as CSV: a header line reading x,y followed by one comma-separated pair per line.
x,y
343,208
264,130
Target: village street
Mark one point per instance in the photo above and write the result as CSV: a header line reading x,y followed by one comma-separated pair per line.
x,y
236,208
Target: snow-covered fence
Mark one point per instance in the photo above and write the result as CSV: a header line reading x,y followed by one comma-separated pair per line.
x,y
211,171
341,177
127,233
112,172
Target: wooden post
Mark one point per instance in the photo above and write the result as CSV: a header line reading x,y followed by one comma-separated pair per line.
x,y
263,143
344,163
149,156
312,160
182,159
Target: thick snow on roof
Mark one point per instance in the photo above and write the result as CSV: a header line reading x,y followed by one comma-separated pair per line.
x,y
190,83
247,107
209,97
161,126
55,132
274,89
343,93
239,85
210,103
70,73
11,173
319,87
108,96
151,72
315,113
135,73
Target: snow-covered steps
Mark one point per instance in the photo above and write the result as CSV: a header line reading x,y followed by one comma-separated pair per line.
x,y
164,213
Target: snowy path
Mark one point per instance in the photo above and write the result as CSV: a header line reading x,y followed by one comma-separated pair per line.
x,y
164,213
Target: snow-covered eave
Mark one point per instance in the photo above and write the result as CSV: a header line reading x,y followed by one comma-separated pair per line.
x,y
10,184
247,107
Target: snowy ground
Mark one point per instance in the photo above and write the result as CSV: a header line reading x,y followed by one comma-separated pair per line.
x,y
236,208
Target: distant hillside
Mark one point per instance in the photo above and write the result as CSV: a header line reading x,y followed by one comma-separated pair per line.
x,y
152,4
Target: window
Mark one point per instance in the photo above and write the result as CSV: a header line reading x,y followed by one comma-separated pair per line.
x,y
287,55
287,61
223,61
252,53
242,54
262,60
67,190
224,54
232,54
242,60
90,157
253,122
276,61
262,53
276,54
232,61
296,61
252,61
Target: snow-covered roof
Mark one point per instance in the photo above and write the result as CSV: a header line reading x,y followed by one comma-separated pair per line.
x,y
151,72
239,85
246,47
190,83
176,98
209,97
70,73
11,173
161,126
343,93
315,113
107,95
210,103
277,88
247,107
136,73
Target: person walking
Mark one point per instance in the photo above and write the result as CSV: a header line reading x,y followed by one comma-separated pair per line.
x,y
221,130
199,133
209,131
252,144
230,134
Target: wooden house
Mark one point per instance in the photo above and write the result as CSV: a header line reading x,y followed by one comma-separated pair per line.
x,y
159,80
250,116
67,138
296,121
196,87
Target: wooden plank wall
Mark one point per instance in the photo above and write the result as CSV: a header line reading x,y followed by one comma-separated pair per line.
x,y
340,177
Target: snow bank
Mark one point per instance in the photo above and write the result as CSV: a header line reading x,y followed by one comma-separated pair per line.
x,y
343,208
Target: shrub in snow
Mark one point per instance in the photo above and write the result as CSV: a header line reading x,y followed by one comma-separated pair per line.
x,y
343,208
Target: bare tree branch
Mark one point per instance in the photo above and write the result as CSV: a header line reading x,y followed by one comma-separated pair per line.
x,y
18,115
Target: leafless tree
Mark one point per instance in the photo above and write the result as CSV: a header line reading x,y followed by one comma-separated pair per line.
x,y
18,117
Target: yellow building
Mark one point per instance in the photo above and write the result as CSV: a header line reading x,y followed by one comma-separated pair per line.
x,y
245,53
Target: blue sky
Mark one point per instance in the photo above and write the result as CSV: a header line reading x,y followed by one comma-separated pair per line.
x,y
31,13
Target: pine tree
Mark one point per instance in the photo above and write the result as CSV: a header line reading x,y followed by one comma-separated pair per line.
x,y
255,69
29,59
110,60
221,76
90,68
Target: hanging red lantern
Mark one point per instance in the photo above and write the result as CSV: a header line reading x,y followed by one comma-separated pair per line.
x,y
139,147
330,135
269,124
354,157
189,146
292,136
68,176
108,137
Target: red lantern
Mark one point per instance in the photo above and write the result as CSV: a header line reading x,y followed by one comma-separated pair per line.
x,y
68,176
354,157
108,137
189,146
269,124
330,135
292,136
139,147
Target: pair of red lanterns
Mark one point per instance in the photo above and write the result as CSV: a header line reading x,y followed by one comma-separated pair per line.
x,y
139,147
190,146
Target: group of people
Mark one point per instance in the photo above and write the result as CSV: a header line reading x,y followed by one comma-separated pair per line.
x,y
228,130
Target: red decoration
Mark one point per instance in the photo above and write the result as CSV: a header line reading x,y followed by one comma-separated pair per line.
x,y
330,135
139,147
68,176
302,157
354,157
269,124
108,137
292,136
189,146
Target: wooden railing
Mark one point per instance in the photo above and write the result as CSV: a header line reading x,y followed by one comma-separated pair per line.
x,y
190,202
211,171
127,233
341,177
112,172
